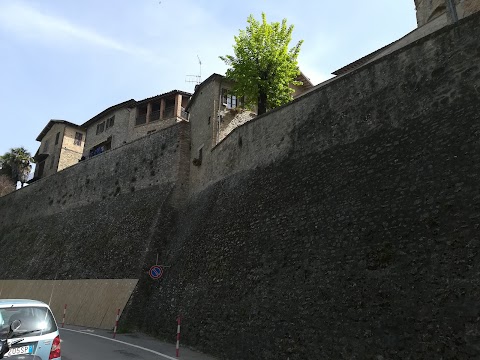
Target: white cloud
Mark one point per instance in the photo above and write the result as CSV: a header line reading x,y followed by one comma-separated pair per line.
x,y
26,21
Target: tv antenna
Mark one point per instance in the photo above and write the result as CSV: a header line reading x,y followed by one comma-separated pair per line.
x,y
197,79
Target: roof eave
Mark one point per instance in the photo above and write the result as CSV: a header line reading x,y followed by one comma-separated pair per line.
x,y
50,124
128,103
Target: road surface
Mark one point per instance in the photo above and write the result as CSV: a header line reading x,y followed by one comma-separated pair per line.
x,y
93,344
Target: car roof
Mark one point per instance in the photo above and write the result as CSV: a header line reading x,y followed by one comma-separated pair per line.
x,y
20,302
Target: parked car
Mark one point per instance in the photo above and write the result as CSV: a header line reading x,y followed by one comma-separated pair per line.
x,y
37,328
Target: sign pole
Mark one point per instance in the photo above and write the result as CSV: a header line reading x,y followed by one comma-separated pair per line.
x,y
116,324
64,313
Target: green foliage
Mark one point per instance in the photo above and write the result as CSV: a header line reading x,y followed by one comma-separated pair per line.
x,y
16,164
263,67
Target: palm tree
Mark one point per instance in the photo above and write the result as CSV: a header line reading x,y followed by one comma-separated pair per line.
x,y
16,164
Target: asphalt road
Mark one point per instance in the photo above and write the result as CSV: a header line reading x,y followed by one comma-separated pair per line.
x,y
93,344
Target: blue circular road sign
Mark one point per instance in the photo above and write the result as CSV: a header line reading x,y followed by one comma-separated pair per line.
x,y
156,272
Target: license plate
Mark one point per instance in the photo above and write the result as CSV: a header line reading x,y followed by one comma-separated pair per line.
x,y
27,349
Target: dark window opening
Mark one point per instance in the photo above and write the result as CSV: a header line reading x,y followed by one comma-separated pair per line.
x,y
100,127
209,120
155,114
41,167
78,139
169,111
198,161
141,115
110,122
229,100
100,148
57,137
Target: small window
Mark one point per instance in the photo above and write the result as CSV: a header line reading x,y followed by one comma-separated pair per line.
x,y
209,120
100,127
78,139
110,122
45,146
198,161
229,100
57,138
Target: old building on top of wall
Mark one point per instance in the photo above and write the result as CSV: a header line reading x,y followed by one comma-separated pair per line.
x,y
108,129
301,89
214,112
157,112
444,11
127,121
61,146
432,15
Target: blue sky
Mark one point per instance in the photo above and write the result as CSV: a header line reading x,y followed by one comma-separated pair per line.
x,y
72,59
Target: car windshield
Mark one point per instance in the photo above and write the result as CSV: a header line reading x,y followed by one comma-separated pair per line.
x,y
34,321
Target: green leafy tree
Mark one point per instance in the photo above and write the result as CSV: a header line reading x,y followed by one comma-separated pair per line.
x,y
263,67
16,164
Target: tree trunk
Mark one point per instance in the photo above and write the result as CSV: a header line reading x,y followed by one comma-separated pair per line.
x,y
262,103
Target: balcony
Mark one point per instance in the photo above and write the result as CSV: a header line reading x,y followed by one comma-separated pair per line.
x,y
155,115
169,112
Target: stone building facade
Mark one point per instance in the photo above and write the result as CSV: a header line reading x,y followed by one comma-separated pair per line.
x,y
341,226
432,15
130,120
448,10
61,146
203,109
157,113
214,112
108,129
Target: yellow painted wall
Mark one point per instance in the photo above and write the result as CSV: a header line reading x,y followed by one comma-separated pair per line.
x,y
70,153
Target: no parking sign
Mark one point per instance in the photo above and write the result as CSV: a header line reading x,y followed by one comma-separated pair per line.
x,y
156,272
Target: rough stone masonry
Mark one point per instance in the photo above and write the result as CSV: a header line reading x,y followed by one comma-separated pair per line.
x,y
347,231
